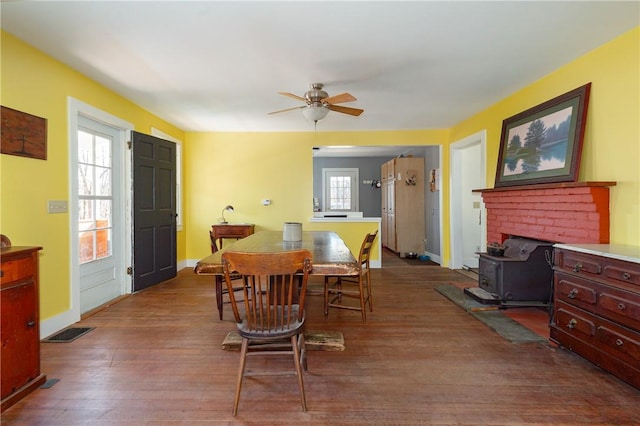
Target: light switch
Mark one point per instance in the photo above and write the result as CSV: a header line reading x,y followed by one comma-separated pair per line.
x,y
57,206
476,204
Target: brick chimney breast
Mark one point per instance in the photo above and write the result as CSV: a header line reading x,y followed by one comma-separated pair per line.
x,y
572,213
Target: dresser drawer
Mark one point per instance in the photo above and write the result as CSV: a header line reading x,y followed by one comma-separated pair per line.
x,y
575,323
17,269
612,303
620,307
576,291
619,342
621,271
579,263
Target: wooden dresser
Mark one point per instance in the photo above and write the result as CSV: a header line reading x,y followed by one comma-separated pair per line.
x,y
596,310
20,330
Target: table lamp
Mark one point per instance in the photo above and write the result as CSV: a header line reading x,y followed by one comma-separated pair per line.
x,y
226,209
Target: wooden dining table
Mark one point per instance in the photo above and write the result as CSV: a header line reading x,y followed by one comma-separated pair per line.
x,y
330,255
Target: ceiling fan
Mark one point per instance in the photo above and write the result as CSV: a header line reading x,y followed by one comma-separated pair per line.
x,y
319,103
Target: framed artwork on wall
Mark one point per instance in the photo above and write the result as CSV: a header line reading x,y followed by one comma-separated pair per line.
x,y
544,144
23,134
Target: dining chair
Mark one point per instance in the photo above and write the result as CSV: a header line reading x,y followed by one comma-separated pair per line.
x,y
271,320
354,287
221,289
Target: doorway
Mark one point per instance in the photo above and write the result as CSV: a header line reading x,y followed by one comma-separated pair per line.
x,y
468,230
100,240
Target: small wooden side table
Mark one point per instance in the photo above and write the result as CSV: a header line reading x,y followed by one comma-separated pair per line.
x,y
231,230
218,233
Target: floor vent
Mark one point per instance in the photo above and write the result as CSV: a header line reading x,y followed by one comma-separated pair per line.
x,y
68,335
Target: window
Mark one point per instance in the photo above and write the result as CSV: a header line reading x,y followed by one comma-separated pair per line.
x,y
95,197
340,190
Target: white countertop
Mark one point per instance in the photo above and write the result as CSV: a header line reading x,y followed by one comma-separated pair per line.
x,y
345,219
615,251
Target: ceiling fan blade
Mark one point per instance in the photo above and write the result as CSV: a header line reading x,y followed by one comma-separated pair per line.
x,y
346,110
288,109
291,95
338,99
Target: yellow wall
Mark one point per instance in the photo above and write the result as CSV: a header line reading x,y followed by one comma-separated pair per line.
x,y
35,83
242,169
611,150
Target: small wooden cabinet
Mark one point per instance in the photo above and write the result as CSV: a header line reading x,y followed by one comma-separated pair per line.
x,y
597,307
403,217
20,329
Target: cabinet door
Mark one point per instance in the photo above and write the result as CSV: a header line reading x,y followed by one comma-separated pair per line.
x,y
20,340
388,217
384,231
392,233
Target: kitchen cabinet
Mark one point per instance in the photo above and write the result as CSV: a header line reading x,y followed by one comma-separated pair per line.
x,y
403,217
20,329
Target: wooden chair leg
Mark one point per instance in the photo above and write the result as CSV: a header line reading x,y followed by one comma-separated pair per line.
x,y
326,296
243,358
303,351
219,300
363,308
369,294
296,360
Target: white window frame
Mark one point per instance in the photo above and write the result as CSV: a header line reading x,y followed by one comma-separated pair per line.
x,y
353,174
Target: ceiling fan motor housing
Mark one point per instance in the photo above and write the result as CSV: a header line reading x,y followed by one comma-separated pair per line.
x,y
316,94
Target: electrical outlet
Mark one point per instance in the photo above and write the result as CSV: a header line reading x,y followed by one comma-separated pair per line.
x,y
476,204
57,206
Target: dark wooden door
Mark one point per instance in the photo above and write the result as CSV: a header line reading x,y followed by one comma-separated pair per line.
x,y
154,210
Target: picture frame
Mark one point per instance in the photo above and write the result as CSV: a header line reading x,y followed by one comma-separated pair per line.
x,y
544,144
23,134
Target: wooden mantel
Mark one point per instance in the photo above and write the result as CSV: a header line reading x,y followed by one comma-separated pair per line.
x,y
548,186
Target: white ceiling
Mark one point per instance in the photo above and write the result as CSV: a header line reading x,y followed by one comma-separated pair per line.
x,y
217,66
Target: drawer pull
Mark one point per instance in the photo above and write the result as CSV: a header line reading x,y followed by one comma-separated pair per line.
x,y
621,306
577,267
572,324
619,342
31,324
626,276
572,293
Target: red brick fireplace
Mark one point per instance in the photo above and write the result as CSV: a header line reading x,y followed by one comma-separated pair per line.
x,y
572,213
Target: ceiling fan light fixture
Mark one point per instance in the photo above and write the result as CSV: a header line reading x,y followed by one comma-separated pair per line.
x,y
315,113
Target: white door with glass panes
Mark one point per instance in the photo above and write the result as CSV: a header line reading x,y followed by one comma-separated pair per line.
x,y
100,214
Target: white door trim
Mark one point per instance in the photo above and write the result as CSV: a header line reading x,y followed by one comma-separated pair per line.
x,y
455,237
75,108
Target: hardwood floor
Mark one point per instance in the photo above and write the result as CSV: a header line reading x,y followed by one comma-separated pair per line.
x,y
155,358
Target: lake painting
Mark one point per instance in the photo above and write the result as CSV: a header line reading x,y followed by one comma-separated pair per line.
x,y
538,145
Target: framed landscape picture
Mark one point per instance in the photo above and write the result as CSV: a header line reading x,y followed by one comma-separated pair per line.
x,y
544,144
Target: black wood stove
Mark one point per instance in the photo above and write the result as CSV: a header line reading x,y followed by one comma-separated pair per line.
x,y
521,277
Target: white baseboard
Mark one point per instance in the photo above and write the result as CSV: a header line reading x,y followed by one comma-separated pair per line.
x,y
57,323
